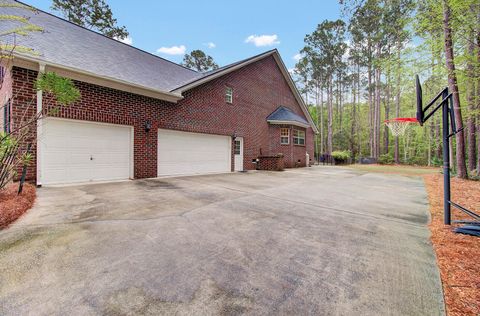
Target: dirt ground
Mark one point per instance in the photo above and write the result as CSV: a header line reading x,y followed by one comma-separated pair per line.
x,y
12,205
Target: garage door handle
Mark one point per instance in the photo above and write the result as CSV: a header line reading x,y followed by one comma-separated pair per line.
x,y
91,158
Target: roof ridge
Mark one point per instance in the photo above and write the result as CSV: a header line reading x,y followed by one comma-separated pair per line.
x,y
243,60
103,35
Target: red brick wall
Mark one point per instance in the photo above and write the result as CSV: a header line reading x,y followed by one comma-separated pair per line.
x,y
274,163
24,98
292,153
259,89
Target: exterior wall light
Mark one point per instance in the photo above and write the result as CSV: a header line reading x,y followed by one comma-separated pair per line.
x,y
148,126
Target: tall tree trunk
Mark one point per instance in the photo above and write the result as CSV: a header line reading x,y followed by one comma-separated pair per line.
x,y
340,106
353,120
376,116
438,137
430,136
317,100
478,94
322,136
330,117
359,124
370,109
387,113
397,103
452,83
472,144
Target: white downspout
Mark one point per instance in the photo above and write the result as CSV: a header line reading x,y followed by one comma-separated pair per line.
x,y
41,69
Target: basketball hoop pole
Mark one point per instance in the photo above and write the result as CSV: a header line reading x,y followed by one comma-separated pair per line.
x,y
446,158
449,130
448,120
448,123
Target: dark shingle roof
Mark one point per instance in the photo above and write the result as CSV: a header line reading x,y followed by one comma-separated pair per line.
x,y
64,43
284,114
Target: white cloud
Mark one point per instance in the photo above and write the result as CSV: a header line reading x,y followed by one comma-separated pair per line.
x,y
291,71
210,45
174,50
263,40
297,57
127,40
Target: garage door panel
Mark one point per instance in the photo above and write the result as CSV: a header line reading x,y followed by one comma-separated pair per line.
x,y
78,151
111,159
183,153
106,174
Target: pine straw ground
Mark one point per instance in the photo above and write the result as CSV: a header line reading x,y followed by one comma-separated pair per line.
x,y
12,205
458,255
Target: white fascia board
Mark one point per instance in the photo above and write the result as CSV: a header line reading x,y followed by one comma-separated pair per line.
x,y
89,77
288,123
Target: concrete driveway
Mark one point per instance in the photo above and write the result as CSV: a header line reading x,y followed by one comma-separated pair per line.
x,y
320,240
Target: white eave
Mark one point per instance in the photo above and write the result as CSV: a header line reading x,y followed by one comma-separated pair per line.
x,y
288,123
89,77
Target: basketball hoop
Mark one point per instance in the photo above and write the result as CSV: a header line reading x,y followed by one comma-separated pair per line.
x,y
399,125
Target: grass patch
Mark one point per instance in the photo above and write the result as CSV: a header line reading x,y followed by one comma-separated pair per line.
x,y
397,169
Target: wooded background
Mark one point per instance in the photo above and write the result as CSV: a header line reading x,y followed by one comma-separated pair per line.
x,y
359,70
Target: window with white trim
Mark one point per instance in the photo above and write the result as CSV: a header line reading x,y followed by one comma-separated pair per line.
x,y
237,147
284,136
298,137
229,95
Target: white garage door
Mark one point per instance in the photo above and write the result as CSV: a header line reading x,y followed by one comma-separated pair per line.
x,y
76,151
182,153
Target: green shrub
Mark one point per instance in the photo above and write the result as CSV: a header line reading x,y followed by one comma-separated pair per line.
x,y
415,161
437,162
385,159
341,156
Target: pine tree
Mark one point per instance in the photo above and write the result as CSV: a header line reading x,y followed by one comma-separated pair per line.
x,y
199,61
92,14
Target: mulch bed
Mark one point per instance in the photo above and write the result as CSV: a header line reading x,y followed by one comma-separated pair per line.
x,y
12,205
458,255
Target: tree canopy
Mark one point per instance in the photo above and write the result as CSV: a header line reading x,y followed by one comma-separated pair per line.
x,y
358,71
199,61
92,14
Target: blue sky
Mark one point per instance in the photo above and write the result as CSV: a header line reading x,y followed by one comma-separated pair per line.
x,y
186,25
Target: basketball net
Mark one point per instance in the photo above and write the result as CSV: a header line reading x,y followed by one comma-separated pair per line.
x,y
399,125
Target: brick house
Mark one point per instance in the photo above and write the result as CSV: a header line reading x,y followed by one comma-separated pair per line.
x,y
142,116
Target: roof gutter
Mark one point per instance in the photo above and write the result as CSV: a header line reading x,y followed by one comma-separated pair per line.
x,y
289,123
89,77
